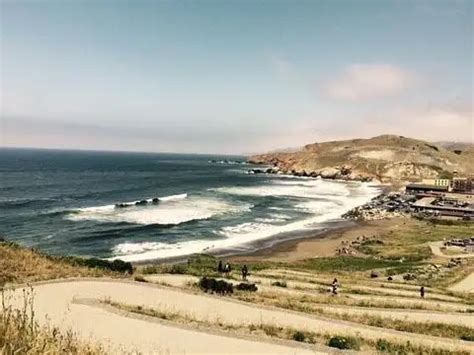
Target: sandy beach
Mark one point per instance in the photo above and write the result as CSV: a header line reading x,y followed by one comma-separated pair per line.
x,y
320,244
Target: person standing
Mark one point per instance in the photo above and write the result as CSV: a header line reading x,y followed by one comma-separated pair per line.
x,y
245,272
219,267
227,269
422,291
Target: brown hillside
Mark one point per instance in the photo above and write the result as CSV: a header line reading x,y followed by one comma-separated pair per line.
x,y
385,158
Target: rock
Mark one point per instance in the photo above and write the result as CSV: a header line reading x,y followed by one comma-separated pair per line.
x,y
141,203
329,173
122,205
155,201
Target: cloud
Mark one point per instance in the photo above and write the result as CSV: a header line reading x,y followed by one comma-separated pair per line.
x,y
442,123
366,81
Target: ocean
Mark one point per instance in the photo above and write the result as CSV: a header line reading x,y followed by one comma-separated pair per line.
x,y
65,203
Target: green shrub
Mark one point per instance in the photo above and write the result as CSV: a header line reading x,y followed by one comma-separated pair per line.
x,y
116,265
177,269
299,336
344,342
151,269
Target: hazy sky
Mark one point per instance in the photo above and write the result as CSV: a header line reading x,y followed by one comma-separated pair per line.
x,y
232,76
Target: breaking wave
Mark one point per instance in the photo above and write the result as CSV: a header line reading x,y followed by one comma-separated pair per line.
x,y
320,200
174,210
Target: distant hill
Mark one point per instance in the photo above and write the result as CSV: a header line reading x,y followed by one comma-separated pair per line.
x,y
386,158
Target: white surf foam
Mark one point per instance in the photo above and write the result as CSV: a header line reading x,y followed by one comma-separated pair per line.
x,y
244,233
177,209
173,197
305,189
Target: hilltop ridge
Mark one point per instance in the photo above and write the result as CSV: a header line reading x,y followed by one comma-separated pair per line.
x,y
386,158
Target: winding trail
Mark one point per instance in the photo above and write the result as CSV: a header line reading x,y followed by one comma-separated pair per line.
x,y
61,302
465,285
436,250
414,315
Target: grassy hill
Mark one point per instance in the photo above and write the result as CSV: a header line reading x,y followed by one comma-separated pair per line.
x,y
387,158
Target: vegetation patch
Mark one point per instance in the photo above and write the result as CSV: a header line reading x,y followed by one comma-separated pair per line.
x,y
428,328
115,265
19,264
345,263
279,284
198,265
20,333
344,342
299,336
140,278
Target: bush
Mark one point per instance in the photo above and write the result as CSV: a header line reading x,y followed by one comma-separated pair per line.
x,y
116,265
246,287
279,283
299,336
344,342
177,269
384,346
219,286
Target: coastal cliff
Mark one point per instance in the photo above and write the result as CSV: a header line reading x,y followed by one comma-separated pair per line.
x,y
386,158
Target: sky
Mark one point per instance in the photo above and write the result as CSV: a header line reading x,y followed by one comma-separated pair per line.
x,y
232,77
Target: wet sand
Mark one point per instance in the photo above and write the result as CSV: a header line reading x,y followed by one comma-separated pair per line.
x,y
321,244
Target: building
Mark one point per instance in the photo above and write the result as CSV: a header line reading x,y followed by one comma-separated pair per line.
x,y
437,182
463,185
420,188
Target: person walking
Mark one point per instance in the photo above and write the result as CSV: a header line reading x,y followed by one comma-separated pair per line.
x,y
335,286
219,267
422,291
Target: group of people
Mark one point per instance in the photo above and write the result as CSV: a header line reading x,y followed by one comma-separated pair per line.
x,y
226,269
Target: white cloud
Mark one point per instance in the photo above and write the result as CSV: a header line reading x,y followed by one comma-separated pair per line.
x,y
432,124
365,81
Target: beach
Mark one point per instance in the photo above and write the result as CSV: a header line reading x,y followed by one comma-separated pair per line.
x,y
323,244
139,207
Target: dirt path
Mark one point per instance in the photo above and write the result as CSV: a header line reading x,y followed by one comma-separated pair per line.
x,y
435,249
465,285
56,300
414,315
317,284
60,303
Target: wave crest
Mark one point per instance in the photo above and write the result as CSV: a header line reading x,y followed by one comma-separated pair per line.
x,y
175,210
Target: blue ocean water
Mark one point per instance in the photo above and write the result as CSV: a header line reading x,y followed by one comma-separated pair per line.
x,y
64,202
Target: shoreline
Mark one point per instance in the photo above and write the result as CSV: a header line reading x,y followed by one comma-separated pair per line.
x,y
272,248
319,245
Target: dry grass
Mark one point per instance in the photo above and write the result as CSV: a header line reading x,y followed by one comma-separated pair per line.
x,y
21,334
307,302
428,328
272,331
19,264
